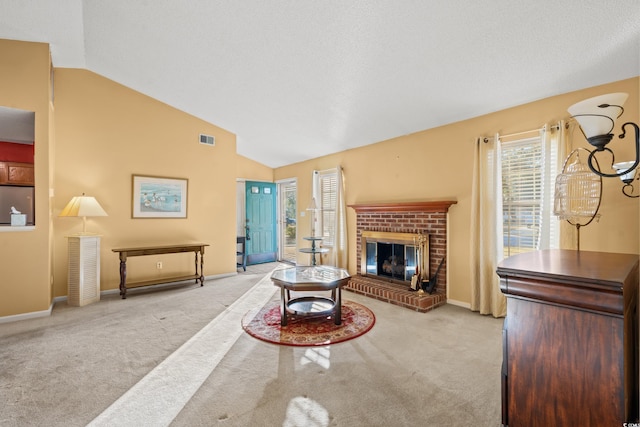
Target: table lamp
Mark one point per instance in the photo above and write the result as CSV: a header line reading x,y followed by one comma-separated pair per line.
x,y
83,285
83,206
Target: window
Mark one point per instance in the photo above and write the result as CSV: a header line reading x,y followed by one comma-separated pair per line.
x,y
528,174
326,195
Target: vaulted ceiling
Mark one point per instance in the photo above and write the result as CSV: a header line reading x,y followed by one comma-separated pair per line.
x,y
298,79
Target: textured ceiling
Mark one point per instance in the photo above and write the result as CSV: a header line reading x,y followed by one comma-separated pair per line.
x,y
297,79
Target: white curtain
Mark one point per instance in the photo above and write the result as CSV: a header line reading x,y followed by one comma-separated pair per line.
x,y
338,251
339,254
562,137
486,228
556,147
548,223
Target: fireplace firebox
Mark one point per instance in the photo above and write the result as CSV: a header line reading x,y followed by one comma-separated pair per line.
x,y
391,260
393,256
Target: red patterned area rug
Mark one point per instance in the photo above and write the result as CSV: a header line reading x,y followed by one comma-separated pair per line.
x,y
308,331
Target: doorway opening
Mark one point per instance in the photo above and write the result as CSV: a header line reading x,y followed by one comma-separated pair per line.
x,y
287,220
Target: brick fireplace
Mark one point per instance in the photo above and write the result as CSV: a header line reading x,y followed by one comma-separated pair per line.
x,y
427,218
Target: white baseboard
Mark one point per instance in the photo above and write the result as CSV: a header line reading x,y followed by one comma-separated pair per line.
x,y
46,313
459,303
30,315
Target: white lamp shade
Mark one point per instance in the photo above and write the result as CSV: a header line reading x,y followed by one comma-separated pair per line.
x,y
623,166
83,206
590,116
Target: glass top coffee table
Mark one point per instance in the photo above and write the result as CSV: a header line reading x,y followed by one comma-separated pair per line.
x,y
311,278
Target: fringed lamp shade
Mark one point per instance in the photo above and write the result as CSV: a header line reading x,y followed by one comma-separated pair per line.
x,y
578,193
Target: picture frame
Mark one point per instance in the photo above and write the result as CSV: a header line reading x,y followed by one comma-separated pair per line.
x,y
158,197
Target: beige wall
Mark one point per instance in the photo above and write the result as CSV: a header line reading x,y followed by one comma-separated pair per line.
x,y
438,163
249,170
25,272
104,132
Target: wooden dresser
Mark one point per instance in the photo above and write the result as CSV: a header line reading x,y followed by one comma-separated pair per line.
x,y
570,339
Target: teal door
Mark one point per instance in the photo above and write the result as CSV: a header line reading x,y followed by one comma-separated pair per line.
x,y
262,242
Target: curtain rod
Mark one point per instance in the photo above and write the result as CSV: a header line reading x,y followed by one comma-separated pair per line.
x,y
552,127
509,135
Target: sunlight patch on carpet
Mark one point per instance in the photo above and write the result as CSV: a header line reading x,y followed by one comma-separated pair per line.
x,y
160,396
321,356
303,411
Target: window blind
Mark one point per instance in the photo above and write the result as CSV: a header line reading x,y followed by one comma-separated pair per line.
x,y
523,185
328,184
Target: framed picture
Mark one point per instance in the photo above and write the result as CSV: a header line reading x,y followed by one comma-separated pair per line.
x,y
159,197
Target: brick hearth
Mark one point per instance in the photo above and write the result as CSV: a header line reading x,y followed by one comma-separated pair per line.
x,y
395,294
413,217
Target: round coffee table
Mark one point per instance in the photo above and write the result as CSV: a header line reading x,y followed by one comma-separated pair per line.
x,y
311,278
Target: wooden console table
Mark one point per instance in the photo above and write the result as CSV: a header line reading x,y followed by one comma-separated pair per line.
x,y
198,248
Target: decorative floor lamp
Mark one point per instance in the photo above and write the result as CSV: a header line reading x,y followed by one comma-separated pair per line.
x,y
83,285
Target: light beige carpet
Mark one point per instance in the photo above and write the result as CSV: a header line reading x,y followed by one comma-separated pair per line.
x,y
181,343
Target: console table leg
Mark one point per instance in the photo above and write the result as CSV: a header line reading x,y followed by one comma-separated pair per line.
x,y
201,267
196,263
123,279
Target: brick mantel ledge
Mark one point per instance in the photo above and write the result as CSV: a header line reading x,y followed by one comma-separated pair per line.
x,y
425,206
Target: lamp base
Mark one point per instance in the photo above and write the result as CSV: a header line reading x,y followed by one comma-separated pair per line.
x,y
83,286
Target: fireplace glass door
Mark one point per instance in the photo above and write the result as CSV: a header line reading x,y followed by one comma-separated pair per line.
x,y
391,260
